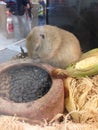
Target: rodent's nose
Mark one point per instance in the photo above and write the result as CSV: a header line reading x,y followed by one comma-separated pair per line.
x,y
36,60
35,57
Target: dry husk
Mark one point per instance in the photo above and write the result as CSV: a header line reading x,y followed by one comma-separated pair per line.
x,y
13,123
82,102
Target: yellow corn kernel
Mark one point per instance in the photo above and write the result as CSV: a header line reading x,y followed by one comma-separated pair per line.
x,y
87,63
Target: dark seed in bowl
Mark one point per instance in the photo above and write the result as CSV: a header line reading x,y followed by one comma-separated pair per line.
x,y
25,83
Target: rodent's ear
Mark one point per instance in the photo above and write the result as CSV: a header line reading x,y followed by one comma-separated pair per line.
x,y
42,36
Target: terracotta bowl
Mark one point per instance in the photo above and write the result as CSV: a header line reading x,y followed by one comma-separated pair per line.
x,y
45,107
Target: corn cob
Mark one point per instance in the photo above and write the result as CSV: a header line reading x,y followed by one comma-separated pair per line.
x,y
86,66
92,52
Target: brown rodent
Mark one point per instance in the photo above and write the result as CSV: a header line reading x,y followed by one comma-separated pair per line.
x,y
53,45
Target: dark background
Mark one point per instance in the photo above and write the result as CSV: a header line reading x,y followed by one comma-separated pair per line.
x,y
77,16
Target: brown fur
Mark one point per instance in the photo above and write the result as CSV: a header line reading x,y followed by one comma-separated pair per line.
x,y
53,45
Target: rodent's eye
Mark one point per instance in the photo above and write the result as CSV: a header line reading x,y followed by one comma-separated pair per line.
x,y
43,36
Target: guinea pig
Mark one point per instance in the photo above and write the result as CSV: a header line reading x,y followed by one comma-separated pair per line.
x,y
53,45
